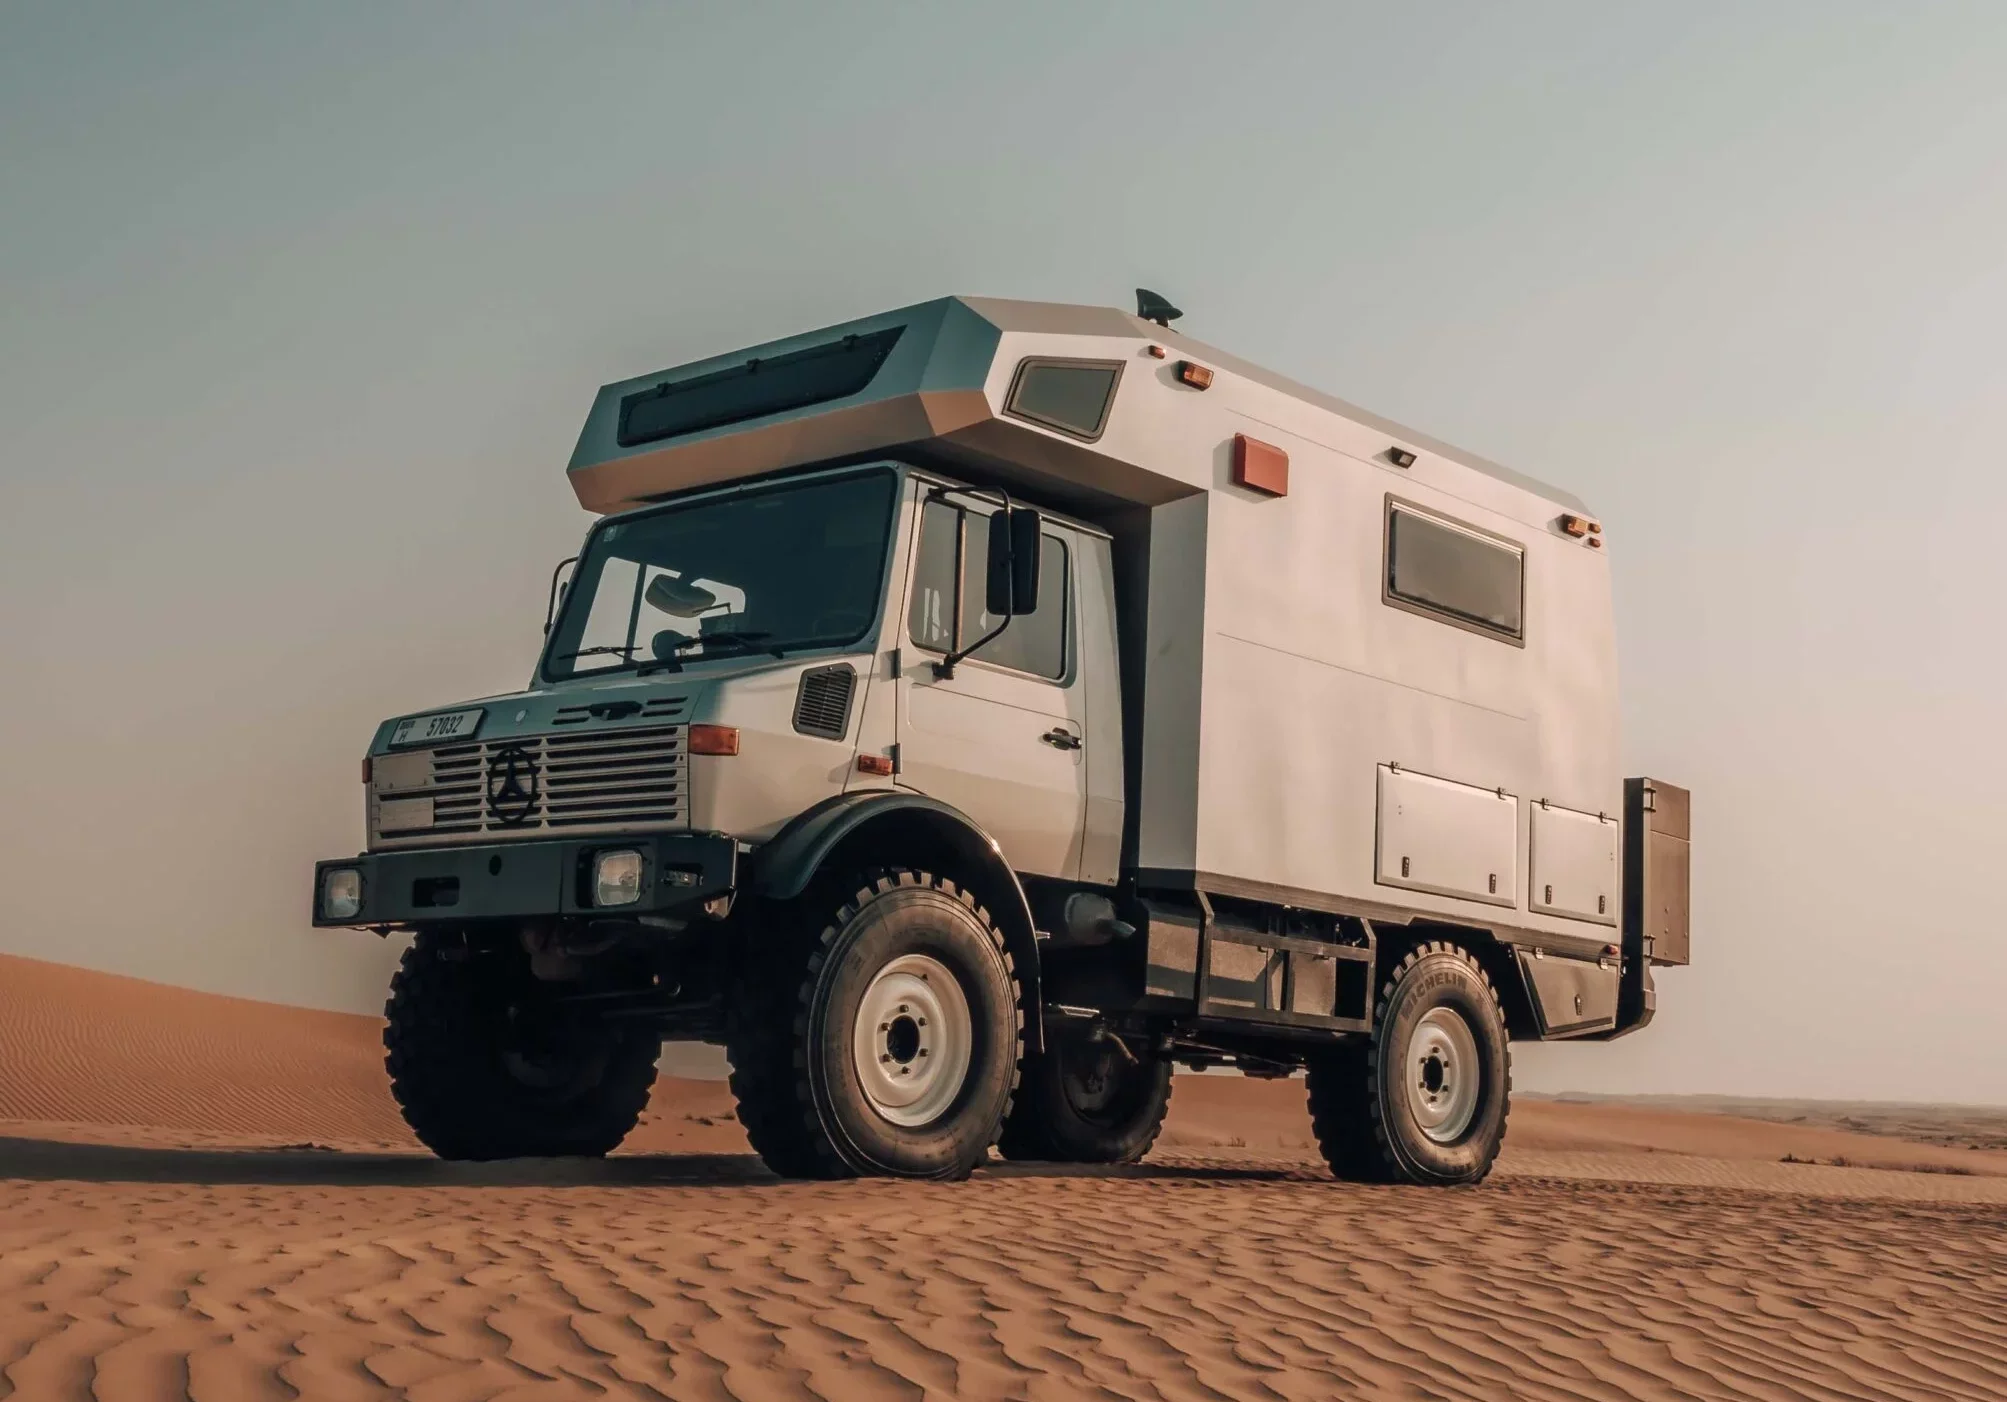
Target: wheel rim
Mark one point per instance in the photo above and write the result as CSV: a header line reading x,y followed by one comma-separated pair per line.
x,y
1443,1075
546,1057
913,1040
1092,1077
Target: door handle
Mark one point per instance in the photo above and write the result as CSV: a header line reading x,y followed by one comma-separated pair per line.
x,y
1060,738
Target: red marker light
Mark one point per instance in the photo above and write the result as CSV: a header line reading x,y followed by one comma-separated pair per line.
x,y
1260,467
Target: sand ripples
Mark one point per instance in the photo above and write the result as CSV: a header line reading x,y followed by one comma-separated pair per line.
x,y
1026,1286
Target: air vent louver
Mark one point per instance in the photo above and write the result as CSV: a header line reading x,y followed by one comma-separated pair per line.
x,y
822,706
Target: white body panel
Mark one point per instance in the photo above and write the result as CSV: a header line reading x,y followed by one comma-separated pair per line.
x,y
975,741
1574,859
1445,838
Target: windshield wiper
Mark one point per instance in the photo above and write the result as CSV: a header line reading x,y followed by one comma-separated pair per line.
x,y
608,651
744,636
750,639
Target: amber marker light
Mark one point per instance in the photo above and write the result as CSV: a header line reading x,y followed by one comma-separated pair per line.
x,y
1197,376
1575,526
714,739
880,765
1156,352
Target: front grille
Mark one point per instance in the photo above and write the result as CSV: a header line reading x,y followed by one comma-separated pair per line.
x,y
580,781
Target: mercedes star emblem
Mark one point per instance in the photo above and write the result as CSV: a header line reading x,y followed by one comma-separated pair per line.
x,y
512,785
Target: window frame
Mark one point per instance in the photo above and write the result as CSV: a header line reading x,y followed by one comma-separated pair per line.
x,y
962,503
698,496
1032,362
1407,603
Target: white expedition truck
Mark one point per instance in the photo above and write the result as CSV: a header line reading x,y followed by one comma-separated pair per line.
x,y
967,713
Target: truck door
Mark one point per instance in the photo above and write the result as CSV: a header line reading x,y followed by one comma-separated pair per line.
x,y
1003,740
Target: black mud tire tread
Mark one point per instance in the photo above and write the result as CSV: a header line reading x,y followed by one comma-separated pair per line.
x,y
775,1010
1342,1114
759,1043
1044,1128
460,1102
1348,1109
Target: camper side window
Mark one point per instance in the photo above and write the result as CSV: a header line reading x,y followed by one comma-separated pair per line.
x,y
1456,573
954,545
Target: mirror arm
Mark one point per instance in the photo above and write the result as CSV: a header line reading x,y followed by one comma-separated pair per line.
x,y
551,604
944,670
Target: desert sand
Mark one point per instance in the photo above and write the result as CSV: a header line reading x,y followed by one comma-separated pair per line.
x,y
215,1199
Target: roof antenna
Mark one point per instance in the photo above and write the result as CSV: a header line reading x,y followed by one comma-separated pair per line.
x,y
1152,307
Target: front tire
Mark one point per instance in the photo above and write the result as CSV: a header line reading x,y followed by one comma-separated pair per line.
x,y
1425,1100
486,1065
898,1051
1084,1100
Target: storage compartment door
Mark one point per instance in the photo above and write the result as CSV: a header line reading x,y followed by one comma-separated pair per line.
x,y
1574,864
1449,838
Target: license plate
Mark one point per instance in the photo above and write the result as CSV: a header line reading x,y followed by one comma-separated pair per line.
x,y
403,814
437,730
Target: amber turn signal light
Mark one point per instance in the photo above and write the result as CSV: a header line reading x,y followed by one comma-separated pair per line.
x,y
714,739
368,769
881,765
1197,376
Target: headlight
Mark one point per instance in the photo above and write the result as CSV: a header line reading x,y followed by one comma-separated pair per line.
x,y
616,878
341,894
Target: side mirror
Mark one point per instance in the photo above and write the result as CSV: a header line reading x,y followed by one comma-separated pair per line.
x,y
1016,537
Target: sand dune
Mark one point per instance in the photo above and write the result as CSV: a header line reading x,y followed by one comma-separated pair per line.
x,y
1620,1253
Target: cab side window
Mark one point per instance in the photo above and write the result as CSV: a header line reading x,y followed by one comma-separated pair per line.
x,y
947,610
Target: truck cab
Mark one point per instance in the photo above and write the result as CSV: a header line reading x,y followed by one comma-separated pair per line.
x,y
967,714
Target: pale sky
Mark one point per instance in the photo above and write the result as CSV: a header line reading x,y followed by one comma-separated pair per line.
x,y
301,308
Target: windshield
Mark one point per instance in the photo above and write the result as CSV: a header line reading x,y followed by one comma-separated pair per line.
x,y
774,569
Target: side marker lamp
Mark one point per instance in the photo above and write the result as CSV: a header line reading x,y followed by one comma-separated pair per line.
x,y
714,739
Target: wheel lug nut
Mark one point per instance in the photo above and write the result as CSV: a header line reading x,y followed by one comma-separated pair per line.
x,y
921,1021
885,1056
923,1051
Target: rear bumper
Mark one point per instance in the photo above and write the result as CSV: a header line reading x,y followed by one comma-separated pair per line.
x,y
524,880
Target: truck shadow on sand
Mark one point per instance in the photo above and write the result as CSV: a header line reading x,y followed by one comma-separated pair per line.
x,y
45,1160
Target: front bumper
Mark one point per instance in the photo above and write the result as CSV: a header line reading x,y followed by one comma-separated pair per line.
x,y
523,880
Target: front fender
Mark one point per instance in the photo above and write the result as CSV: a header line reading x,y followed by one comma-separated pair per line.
x,y
899,829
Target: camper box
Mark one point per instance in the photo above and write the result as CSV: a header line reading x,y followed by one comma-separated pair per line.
x,y
1357,665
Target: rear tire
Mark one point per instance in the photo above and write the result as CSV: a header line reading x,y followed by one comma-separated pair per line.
x,y
886,1045
1083,1101
486,1065
1425,1100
